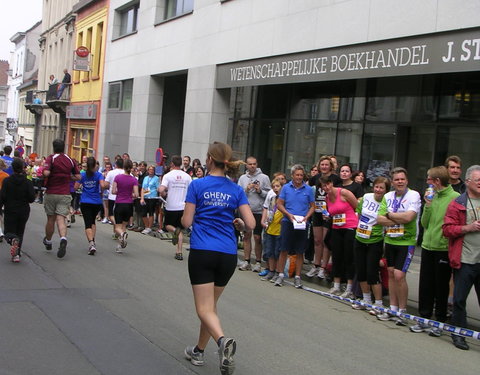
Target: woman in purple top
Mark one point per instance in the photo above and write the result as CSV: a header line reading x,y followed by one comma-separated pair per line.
x,y
125,187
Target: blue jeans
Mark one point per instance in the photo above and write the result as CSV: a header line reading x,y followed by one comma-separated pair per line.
x,y
271,246
465,277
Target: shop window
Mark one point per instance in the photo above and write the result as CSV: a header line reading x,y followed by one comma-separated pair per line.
x,y
120,95
125,21
377,150
349,144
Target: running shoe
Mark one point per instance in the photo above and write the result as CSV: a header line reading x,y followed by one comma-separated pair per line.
x,y
105,220
175,236
335,291
385,317
269,276
114,237
123,240
146,231
297,282
279,281
419,327
16,259
62,249
48,245
14,249
375,310
226,351
245,266
348,294
196,358
72,219
359,306
178,256
274,278
435,332
321,273
130,226
265,272
257,267
119,249
459,342
92,249
400,321
313,271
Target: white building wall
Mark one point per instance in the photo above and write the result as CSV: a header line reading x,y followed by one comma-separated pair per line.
x,y
237,30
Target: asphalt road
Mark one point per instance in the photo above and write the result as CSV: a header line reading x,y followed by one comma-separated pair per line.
x,y
134,314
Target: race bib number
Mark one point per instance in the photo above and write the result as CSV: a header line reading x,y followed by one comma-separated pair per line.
x,y
396,231
364,230
339,219
320,206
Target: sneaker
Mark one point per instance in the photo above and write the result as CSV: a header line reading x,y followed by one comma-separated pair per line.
x,y
105,220
279,281
139,229
245,266
274,278
269,276
72,219
460,342
48,246
62,249
375,310
385,316
335,291
114,237
92,249
435,332
146,231
226,351
321,273
419,327
359,306
178,256
123,240
257,267
14,248
297,282
348,294
399,321
16,259
265,272
175,236
313,271
130,226
196,358
161,231
119,249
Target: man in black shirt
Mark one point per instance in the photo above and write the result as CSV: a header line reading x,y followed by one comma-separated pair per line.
x,y
67,79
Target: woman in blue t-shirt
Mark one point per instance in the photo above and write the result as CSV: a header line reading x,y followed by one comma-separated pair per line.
x,y
210,206
93,184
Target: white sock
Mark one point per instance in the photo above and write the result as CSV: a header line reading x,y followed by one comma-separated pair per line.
x,y
378,302
349,288
393,308
367,297
336,285
297,277
63,238
281,274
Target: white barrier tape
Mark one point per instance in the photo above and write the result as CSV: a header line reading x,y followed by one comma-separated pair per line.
x,y
432,323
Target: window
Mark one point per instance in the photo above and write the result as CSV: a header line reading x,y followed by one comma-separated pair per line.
x,y
3,102
175,8
120,95
126,19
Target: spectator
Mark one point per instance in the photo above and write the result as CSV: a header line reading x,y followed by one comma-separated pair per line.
x,y
66,81
454,167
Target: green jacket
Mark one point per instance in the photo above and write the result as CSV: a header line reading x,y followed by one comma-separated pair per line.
x,y
432,220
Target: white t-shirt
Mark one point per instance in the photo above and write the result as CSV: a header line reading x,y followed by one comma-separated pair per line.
x,y
176,182
109,178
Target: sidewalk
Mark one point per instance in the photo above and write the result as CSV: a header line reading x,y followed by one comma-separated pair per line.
x,y
473,309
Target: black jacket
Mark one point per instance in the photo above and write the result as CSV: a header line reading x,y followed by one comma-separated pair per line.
x,y
17,193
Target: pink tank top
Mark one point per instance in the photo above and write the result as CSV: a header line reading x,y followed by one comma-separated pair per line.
x,y
342,214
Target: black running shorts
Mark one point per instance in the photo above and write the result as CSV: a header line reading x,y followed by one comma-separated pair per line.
x,y
205,266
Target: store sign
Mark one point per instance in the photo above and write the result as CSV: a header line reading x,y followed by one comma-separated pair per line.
x,y
433,53
81,59
12,123
82,112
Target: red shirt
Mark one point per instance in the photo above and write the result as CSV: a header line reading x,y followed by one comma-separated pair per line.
x,y
61,169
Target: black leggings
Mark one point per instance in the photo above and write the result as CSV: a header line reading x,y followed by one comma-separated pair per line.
x,y
341,245
14,224
367,261
205,266
90,212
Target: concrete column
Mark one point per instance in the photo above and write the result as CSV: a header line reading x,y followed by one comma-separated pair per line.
x,y
146,118
206,112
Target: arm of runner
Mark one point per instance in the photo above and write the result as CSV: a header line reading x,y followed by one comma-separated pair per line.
x,y
247,217
135,192
402,217
114,188
188,212
348,197
162,190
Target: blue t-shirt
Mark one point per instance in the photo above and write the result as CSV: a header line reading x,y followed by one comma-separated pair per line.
x,y
91,192
8,161
151,183
216,199
297,200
